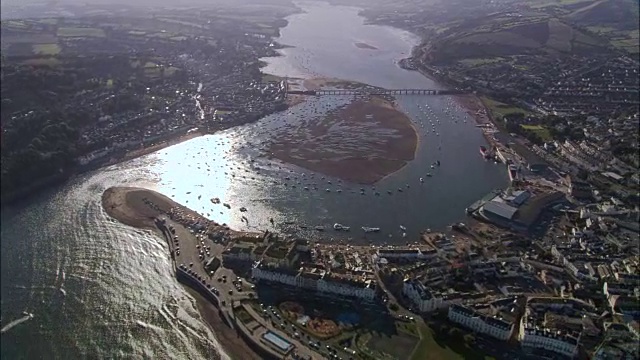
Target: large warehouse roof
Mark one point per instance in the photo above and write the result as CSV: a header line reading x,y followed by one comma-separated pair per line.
x,y
500,209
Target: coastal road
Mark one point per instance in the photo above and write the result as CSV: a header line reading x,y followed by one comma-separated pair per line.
x,y
300,347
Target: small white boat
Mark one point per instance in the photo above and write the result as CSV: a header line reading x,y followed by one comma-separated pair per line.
x,y
370,229
421,180
340,227
403,228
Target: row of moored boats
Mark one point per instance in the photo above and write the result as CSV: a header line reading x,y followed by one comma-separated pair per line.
x,y
340,227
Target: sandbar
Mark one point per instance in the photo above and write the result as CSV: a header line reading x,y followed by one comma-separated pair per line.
x,y
361,45
361,142
318,83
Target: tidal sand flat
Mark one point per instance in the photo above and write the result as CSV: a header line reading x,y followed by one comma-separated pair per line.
x,y
361,142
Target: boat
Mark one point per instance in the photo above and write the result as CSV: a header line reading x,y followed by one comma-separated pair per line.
x,y
403,228
226,205
421,180
429,175
340,227
438,162
319,228
370,229
215,200
243,209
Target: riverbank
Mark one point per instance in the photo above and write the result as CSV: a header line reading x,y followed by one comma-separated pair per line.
x,y
130,206
474,107
361,142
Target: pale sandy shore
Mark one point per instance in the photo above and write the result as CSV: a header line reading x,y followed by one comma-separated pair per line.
x,y
474,107
126,204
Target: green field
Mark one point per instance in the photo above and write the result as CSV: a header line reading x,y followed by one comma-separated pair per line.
x,y
478,62
80,32
545,3
630,45
601,29
267,78
15,24
500,110
48,21
46,49
169,71
51,62
541,131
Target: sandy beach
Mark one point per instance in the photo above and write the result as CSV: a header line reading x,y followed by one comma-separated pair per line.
x,y
362,142
126,204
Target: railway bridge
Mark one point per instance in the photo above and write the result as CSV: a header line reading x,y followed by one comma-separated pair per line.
x,y
376,92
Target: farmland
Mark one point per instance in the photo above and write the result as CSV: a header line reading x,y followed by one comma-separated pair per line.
x,y
46,49
539,130
500,110
80,32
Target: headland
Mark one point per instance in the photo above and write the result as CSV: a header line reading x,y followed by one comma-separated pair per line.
x,y
141,208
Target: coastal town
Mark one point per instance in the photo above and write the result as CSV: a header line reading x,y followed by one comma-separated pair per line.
x,y
544,268
158,85
547,267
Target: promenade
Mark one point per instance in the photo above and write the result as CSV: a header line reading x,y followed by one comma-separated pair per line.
x,y
190,248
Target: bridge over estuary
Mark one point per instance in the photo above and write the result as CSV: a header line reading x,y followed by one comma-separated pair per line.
x,y
376,92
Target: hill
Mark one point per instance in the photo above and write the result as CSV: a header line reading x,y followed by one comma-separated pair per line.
x,y
507,35
617,14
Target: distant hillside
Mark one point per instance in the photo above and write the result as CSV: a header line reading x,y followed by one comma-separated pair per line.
x,y
618,14
496,37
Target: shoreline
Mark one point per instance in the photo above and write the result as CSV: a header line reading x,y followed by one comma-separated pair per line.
x,y
126,204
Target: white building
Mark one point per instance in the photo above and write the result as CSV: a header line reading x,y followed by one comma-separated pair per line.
x,y
239,252
406,253
492,326
564,344
421,297
320,282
